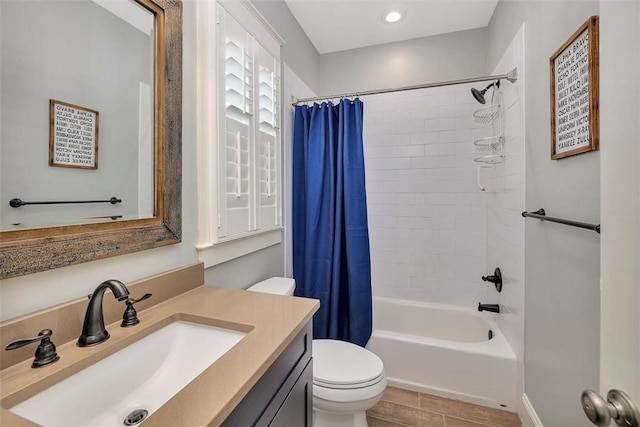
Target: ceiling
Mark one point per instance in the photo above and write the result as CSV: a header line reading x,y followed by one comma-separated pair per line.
x,y
334,25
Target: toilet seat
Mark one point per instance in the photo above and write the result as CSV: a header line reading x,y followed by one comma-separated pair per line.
x,y
340,365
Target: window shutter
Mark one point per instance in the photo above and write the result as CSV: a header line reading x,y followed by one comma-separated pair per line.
x,y
268,136
249,134
235,154
238,135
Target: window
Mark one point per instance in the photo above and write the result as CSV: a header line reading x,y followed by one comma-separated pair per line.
x,y
239,153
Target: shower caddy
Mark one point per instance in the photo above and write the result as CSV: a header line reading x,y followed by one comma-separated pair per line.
x,y
493,145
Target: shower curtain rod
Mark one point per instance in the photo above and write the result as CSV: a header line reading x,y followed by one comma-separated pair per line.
x,y
512,76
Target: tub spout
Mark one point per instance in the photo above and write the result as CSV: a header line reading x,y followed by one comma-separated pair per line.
x,y
494,308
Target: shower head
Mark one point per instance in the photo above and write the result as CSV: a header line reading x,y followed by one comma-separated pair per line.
x,y
479,94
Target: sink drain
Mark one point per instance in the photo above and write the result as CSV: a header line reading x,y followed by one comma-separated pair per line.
x,y
136,417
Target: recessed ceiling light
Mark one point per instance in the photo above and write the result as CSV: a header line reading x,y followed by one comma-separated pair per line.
x,y
393,16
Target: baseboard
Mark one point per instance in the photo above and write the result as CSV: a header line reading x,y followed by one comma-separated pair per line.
x,y
527,414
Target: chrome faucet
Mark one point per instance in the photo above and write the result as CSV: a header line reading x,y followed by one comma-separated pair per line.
x,y
93,330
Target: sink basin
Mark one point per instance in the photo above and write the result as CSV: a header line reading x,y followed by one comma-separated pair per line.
x,y
141,376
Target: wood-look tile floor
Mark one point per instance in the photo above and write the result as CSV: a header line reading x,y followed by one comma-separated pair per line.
x,y
404,408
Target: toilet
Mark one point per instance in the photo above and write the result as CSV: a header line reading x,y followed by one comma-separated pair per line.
x,y
347,379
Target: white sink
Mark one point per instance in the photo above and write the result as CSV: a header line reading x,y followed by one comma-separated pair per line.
x,y
144,375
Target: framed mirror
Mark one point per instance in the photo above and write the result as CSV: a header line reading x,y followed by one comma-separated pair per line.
x,y
90,130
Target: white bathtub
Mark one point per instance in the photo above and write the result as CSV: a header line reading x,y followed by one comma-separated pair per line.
x,y
444,350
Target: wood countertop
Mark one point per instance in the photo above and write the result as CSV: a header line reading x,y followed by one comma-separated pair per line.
x,y
270,321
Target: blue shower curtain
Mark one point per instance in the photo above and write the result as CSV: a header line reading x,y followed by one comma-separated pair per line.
x,y
331,259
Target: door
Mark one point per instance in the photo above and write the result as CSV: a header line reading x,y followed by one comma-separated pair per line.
x,y
620,198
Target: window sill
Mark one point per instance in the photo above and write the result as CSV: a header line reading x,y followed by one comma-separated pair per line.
x,y
225,250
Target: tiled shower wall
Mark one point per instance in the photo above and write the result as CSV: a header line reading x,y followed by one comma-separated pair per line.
x,y
505,225
427,215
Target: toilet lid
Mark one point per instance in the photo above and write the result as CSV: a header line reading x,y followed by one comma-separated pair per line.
x,y
275,285
339,363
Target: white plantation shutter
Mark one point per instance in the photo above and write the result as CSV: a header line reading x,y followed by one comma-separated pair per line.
x,y
268,135
249,135
237,78
238,135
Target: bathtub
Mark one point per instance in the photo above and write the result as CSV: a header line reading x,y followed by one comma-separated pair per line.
x,y
444,350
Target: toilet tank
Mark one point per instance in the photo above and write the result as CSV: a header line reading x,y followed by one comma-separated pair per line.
x,y
275,285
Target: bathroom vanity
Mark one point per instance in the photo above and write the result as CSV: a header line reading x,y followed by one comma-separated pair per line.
x,y
264,379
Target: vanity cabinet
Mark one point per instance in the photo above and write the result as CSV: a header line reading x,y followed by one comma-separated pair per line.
x,y
284,394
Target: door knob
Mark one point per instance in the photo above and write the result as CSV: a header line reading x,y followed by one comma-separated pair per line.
x,y
618,407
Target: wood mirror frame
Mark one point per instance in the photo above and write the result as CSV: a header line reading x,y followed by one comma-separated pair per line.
x,y
39,249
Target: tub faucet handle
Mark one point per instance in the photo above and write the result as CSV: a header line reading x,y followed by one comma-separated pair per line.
x,y
496,279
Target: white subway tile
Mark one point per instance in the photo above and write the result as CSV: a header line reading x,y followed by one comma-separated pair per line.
x,y
424,113
378,105
456,136
411,127
381,152
455,211
435,99
413,103
382,221
471,224
395,210
406,199
440,124
424,211
462,186
448,111
473,249
389,163
421,187
381,129
376,175
424,162
410,151
408,175
431,137
424,236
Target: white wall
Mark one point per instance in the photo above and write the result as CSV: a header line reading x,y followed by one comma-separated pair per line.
x,y
562,263
505,226
298,52
427,216
620,197
242,272
425,60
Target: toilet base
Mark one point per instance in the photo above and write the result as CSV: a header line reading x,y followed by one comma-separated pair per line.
x,y
331,419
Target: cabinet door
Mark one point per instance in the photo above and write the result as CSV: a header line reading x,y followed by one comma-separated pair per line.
x,y
280,387
297,409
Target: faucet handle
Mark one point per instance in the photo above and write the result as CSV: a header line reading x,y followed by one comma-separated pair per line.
x,y
130,316
142,298
496,279
46,351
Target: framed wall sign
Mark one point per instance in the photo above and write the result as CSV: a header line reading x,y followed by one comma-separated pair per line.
x,y
73,136
574,93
